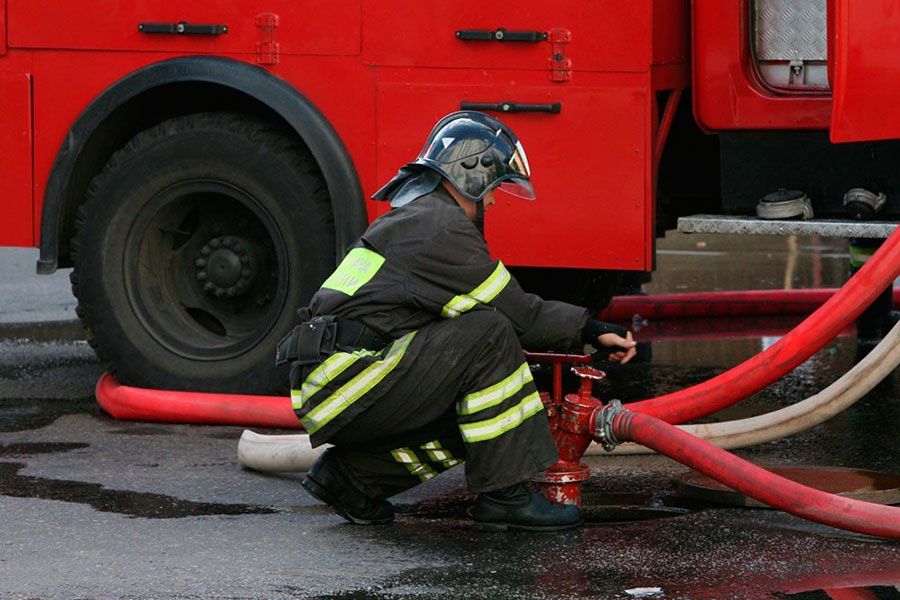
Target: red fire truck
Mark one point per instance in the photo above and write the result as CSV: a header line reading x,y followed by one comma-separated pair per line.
x,y
203,165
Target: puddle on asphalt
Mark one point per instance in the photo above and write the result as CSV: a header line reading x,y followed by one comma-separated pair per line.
x,y
142,430
132,504
19,414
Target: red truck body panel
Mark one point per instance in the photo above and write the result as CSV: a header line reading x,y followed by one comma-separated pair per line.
x,y
728,94
382,74
16,169
864,49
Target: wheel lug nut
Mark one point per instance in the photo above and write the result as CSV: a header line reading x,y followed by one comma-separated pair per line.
x,y
220,292
245,259
215,242
205,251
237,247
245,272
208,286
200,262
202,276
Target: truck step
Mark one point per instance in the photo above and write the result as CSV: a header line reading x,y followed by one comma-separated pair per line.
x,y
755,226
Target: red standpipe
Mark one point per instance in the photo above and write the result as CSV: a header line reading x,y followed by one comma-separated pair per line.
x,y
803,341
756,482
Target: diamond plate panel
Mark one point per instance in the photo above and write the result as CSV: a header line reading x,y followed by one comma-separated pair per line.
x,y
754,226
791,29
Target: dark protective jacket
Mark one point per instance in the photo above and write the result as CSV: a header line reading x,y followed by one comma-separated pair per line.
x,y
427,261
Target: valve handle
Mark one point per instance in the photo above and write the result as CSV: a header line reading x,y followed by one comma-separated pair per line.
x,y
589,373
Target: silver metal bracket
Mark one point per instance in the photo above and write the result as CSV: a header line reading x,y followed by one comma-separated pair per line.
x,y
603,432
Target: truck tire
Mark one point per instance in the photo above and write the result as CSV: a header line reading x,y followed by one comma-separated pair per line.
x,y
195,245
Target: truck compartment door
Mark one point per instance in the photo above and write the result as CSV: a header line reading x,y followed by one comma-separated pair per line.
x,y
864,49
15,168
589,161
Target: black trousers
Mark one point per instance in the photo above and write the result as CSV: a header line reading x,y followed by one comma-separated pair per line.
x,y
461,391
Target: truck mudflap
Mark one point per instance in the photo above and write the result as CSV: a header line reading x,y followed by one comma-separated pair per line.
x,y
864,47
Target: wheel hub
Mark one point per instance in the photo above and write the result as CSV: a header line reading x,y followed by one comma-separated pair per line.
x,y
226,266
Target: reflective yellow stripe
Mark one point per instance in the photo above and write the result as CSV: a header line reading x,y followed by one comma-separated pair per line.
x,y
491,428
417,468
354,389
484,293
358,267
495,394
436,453
859,255
330,368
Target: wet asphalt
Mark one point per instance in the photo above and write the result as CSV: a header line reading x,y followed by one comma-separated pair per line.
x,y
91,507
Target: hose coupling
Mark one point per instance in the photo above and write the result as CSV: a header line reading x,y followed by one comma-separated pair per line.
x,y
603,432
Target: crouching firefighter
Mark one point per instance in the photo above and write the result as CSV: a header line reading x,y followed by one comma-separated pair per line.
x,y
409,358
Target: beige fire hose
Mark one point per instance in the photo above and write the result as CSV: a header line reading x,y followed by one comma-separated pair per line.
x,y
277,453
290,453
803,415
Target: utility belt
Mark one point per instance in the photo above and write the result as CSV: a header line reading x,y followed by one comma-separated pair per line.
x,y
322,336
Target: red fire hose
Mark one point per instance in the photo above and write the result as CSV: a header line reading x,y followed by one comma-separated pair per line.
x,y
803,341
747,478
701,305
142,404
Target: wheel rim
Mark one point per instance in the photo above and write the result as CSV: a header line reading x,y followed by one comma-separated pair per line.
x,y
206,270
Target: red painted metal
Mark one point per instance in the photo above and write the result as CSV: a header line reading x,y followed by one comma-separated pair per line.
x,y
397,71
745,303
727,92
864,51
16,167
747,478
662,132
608,35
2,27
141,404
307,26
779,359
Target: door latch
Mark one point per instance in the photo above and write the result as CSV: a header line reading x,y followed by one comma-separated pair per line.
x,y
512,107
500,35
182,28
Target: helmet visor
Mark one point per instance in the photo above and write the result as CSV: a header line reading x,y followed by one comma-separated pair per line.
x,y
519,187
518,162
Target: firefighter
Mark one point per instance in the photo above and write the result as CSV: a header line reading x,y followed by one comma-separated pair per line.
x,y
409,358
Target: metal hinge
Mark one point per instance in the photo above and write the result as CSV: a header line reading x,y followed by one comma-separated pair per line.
x,y
559,64
267,49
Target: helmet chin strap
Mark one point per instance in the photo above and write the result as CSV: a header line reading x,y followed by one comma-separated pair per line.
x,y
479,217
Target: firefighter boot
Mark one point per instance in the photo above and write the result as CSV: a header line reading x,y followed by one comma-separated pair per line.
x,y
518,507
327,483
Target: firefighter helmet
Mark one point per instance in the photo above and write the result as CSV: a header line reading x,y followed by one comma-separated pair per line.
x,y
475,153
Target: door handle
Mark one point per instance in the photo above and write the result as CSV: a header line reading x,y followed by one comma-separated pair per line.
x,y
182,28
512,107
500,35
